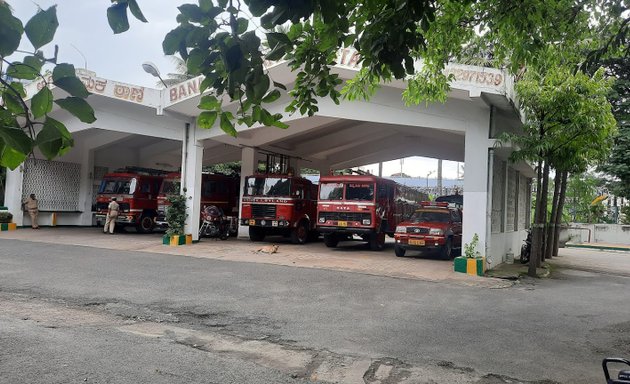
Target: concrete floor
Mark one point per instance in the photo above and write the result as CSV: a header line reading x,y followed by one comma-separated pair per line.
x,y
348,257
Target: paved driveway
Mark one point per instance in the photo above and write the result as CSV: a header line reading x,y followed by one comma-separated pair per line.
x,y
349,257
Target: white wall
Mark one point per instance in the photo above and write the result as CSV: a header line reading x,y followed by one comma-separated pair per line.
x,y
599,233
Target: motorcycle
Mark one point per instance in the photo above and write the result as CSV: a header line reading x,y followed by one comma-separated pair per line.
x,y
623,377
214,223
526,249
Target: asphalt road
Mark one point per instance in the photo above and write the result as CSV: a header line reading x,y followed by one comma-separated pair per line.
x,y
81,314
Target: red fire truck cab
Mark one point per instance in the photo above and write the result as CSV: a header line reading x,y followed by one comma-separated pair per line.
x,y
136,193
435,225
364,205
216,189
277,204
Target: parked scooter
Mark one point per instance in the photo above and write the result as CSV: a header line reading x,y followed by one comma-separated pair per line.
x,y
623,377
526,249
214,223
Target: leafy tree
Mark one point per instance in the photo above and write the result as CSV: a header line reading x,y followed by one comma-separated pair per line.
x,y
180,74
218,40
25,124
569,125
618,164
582,189
232,168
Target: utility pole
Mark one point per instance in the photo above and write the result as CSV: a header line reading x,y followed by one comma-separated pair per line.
x,y
439,177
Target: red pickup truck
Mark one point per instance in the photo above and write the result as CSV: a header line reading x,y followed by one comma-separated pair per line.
x,y
433,226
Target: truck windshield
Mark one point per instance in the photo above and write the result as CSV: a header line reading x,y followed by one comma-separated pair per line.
x,y
360,191
170,187
430,216
267,186
118,186
331,191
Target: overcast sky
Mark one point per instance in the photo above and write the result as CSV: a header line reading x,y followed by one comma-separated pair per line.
x,y
83,24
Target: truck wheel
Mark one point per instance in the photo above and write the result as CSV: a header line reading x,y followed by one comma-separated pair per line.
x,y
446,253
299,234
256,234
331,240
377,241
399,251
146,224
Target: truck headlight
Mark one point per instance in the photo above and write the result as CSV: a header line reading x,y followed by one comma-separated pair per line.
x,y
401,229
322,219
367,221
436,232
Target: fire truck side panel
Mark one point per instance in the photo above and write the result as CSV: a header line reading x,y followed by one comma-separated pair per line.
x,y
136,195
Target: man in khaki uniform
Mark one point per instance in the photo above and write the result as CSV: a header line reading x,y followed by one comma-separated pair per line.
x,y
30,205
112,214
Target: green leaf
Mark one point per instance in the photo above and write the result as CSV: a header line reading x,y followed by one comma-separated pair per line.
x,y
11,30
41,28
279,85
135,10
242,25
209,102
53,139
41,103
117,17
276,53
12,103
271,96
280,124
58,125
194,63
63,70
22,71
192,12
19,87
11,158
172,40
16,138
206,119
226,124
78,107
73,86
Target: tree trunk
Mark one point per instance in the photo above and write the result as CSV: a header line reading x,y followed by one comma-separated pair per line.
x,y
551,233
561,199
534,253
543,213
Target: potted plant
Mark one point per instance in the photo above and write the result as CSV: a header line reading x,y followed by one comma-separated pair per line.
x,y
6,221
176,218
471,262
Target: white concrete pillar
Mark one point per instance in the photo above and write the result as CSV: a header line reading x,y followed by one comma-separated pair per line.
x,y
477,184
85,189
324,169
248,167
192,158
13,194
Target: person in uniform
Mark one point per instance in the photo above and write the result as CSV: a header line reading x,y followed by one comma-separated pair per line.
x,y
30,205
112,214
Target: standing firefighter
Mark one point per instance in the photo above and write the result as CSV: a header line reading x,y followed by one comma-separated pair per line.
x,y
30,205
112,214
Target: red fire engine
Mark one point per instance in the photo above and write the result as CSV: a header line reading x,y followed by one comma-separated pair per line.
x,y
435,225
279,204
364,205
216,189
136,191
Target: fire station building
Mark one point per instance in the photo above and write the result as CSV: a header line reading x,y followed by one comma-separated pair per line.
x,y
151,128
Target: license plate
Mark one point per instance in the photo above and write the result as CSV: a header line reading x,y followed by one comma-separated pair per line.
x,y
274,223
252,222
416,242
342,223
